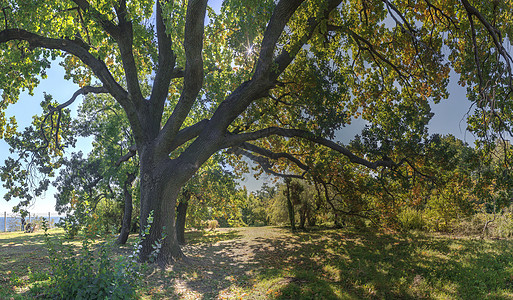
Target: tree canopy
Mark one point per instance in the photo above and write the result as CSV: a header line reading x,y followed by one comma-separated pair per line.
x,y
272,80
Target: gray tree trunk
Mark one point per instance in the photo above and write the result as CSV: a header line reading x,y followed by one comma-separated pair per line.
x,y
181,213
290,206
127,210
161,182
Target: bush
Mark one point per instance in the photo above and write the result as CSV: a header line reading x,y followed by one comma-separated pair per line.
x,y
93,274
89,275
500,227
212,224
471,226
503,227
410,219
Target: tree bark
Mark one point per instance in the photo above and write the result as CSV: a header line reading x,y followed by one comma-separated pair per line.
x,y
302,216
161,181
181,213
290,206
127,211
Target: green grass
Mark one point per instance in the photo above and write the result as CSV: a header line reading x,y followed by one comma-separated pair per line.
x,y
320,264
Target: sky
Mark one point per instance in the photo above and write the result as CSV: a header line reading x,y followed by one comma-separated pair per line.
x,y
449,118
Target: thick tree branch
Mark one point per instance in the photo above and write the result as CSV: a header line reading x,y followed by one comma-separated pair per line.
x,y
187,134
280,17
125,44
76,47
263,162
131,153
165,70
236,140
80,49
267,70
193,76
288,54
123,34
274,155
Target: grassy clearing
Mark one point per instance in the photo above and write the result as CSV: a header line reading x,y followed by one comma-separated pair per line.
x,y
272,263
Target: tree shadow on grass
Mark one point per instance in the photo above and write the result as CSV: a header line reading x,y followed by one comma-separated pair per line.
x,y
210,268
375,266
273,263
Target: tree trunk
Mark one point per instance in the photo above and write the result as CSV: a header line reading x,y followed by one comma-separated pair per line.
x,y
302,217
160,184
181,213
312,220
127,211
290,206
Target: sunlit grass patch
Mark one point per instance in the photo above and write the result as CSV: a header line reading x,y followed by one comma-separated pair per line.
x,y
273,263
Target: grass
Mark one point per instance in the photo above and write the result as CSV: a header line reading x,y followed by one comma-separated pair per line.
x,y
273,263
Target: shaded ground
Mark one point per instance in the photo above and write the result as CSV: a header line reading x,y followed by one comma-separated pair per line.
x,y
270,262
273,263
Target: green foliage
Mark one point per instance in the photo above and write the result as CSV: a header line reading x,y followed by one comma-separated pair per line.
x,y
315,72
93,274
156,246
446,206
38,151
256,211
214,194
89,274
411,219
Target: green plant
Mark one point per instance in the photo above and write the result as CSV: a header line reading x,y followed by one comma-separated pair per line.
x,y
89,274
410,219
157,245
15,280
37,276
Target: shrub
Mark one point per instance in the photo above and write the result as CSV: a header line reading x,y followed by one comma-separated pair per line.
x,y
93,274
499,227
410,219
88,275
503,225
212,224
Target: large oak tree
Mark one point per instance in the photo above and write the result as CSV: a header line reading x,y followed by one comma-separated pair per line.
x,y
262,78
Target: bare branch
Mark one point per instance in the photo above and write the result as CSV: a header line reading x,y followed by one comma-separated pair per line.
x,y
4,11
82,91
444,15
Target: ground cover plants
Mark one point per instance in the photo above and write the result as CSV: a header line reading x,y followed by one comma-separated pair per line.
x,y
274,263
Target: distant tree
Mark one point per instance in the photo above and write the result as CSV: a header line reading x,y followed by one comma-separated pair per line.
x,y
262,78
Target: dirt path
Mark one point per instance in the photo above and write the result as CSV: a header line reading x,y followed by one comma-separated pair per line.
x,y
226,269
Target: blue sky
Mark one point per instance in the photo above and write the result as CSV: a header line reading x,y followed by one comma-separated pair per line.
x,y
449,118
28,106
